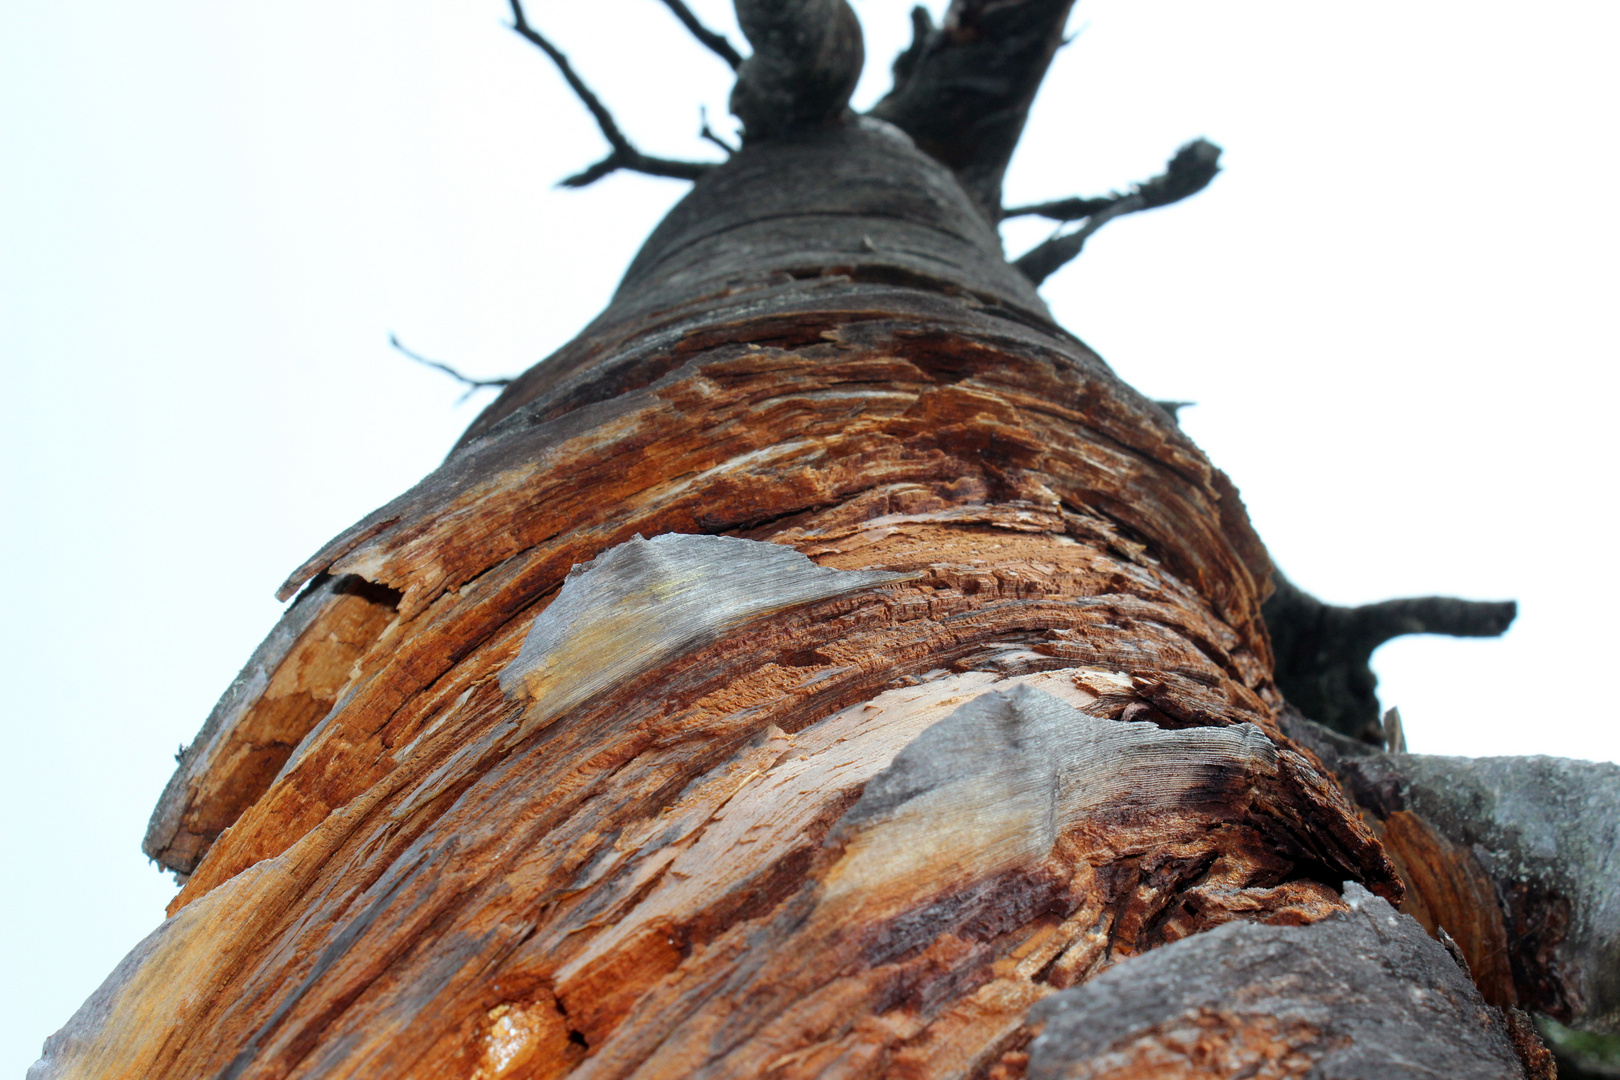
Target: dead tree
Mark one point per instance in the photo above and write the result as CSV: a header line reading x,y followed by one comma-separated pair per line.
x,y
824,666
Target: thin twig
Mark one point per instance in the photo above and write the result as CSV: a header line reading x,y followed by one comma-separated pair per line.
x,y
471,383
707,132
717,43
624,156
1193,167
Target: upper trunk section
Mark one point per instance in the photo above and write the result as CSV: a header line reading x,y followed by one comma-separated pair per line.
x,y
857,202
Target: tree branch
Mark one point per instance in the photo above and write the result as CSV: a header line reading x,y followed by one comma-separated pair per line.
x,y
807,58
963,90
706,132
1324,652
624,155
716,43
471,383
1190,171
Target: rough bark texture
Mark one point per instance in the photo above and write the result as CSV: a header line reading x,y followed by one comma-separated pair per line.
x,y
815,664
1516,858
1361,994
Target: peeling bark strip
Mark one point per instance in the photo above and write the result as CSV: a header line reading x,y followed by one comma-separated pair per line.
x,y
1363,993
816,663
644,602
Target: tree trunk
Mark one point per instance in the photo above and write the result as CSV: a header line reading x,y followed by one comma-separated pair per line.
x,y
817,663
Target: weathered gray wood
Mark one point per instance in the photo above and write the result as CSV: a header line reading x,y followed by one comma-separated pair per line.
x,y
1365,995
964,89
644,602
1544,831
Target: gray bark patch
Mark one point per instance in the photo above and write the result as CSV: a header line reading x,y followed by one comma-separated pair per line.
x,y
1366,995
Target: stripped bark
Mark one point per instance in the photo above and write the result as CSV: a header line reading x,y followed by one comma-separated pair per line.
x,y
818,662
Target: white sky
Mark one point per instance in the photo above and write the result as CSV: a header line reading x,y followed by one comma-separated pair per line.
x,y
1393,308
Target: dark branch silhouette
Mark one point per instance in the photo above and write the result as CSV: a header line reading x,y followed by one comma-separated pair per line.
x,y
471,383
716,42
1190,171
962,90
1324,651
706,132
905,64
624,155
1173,409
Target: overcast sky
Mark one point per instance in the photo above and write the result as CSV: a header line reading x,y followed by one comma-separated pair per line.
x,y
1393,308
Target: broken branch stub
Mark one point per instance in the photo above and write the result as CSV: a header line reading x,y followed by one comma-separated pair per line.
x,y
806,61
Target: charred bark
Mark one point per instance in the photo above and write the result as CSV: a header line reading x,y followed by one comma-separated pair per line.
x,y
820,661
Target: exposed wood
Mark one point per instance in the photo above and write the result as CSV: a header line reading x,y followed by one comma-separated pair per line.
x,y
813,666
1363,993
290,682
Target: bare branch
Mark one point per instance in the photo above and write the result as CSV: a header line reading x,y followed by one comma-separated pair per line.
x,y
1190,171
963,91
922,28
1323,651
471,383
807,58
707,132
624,155
716,43
1070,209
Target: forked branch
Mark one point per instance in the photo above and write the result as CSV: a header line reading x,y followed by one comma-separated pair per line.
x,y
623,155
715,42
1190,171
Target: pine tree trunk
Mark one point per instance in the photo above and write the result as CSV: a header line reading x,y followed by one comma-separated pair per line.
x,y
812,667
